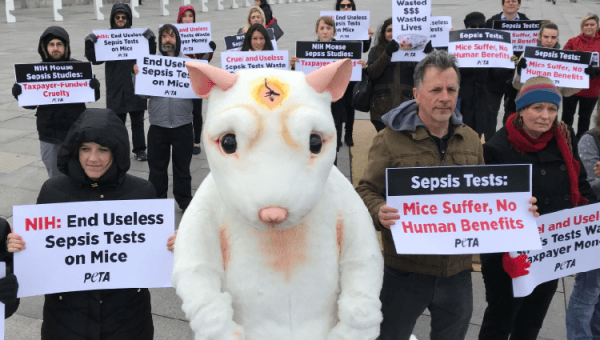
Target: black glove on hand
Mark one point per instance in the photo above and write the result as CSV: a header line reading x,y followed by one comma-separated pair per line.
x,y
8,289
212,45
16,90
91,37
148,34
428,48
522,64
392,47
94,83
592,71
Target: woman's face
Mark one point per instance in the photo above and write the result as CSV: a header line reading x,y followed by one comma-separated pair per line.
x,y
589,28
256,18
345,5
258,41
257,3
187,17
549,37
95,159
324,31
388,33
538,118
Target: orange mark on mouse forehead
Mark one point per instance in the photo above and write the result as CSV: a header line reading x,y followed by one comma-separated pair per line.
x,y
269,92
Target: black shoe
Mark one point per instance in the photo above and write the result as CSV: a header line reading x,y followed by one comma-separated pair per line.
x,y
141,156
349,141
197,150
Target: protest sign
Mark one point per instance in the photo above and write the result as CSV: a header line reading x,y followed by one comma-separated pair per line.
x,y
121,44
350,25
235,42
439,31
523,33
162,76
458,209
94,245
571,244
316,54
481,48
564,68
54,83
235,61
194,37
595,60
410,24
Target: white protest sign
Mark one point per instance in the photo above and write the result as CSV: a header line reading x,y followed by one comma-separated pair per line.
x,y
564,68
439,31
162,76
523,33
350,25
462,209
481,48
121,44
316,54
235,61
54,83
410,23
571,244
2,308
94,245
595,62
194,37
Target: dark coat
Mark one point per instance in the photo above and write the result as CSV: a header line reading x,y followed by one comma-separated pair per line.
x,y
474,96
5,256
113,314
550,182
392,82
266,8
53,121
119,74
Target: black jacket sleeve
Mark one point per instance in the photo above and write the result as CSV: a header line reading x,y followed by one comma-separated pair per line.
x,y
90,53
5,256
366,45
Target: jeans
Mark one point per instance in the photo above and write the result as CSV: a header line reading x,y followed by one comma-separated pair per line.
x,y
137,129
49,153
586,108
583,313
406,295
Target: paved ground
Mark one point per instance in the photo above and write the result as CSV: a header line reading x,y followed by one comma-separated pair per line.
x,y
22,172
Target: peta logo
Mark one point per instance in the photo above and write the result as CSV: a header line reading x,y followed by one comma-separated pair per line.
x,y
466,242
97,277
41,223
565,265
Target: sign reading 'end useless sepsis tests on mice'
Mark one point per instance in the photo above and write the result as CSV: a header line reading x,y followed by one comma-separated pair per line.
x,y
94,245
462,209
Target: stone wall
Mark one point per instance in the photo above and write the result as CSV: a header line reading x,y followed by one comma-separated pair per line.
x,y
48,3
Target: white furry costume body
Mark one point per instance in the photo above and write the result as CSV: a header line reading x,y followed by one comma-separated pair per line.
x,y
276,244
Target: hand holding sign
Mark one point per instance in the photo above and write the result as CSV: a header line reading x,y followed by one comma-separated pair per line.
x,y
14,243
515,266
387,215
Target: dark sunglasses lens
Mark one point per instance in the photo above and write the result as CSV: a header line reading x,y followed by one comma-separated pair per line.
x,y
345,5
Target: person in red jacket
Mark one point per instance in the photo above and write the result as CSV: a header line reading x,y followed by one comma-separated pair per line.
x,y
587,41
187,15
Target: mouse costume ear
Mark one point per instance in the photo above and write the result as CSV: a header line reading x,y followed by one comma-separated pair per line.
x,y
204,77
332,78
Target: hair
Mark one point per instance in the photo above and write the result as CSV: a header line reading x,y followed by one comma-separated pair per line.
x,y
193,12
252,10
549,25
247,45
437,58
164,29
338,2
503,2
381,42
328,21
589,16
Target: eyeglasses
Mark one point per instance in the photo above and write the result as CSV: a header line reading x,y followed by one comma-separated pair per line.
x,y
345,5
121,17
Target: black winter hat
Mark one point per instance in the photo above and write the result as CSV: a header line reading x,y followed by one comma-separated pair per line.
x,y
474,18
48,38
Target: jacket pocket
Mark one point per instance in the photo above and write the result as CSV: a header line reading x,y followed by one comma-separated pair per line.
x,y
465,159
416,161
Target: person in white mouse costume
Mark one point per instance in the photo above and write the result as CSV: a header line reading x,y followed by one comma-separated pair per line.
x,y
276,243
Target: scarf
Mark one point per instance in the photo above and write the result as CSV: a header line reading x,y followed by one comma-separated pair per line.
x,y
522,142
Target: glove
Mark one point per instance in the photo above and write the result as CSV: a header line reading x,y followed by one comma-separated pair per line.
x,y
212,45
515,266
91,37
521,65
16,90
94,83
148,34
592,71
392,47
514,59
428,48
8,289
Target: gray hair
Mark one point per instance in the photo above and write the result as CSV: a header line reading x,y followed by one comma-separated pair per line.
x,y
436,58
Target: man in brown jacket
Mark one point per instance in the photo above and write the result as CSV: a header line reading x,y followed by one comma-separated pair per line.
x,y
426,131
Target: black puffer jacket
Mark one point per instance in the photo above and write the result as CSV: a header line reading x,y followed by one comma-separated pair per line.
x,y
53,121
120,95
115,314
5,256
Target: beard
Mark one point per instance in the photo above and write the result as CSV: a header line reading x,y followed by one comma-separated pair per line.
x,y
168,47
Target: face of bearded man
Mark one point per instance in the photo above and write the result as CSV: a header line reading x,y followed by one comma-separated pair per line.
x,y
168,41
56,49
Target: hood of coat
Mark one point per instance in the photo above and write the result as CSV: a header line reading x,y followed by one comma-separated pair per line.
x,y
123,8
182,10
103,127
177,39
54,32
406,118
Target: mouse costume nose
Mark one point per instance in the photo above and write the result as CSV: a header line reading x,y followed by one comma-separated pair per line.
x,y
273,215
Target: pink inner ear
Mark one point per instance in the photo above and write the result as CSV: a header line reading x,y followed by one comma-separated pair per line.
x,y
204,77
333,78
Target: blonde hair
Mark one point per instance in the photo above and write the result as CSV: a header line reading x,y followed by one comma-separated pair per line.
x,y
328,21
252,10
589,16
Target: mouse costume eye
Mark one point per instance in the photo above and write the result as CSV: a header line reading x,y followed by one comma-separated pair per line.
x,y
316,143
228,143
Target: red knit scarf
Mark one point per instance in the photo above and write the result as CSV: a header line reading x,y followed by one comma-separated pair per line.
x,y
522,142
